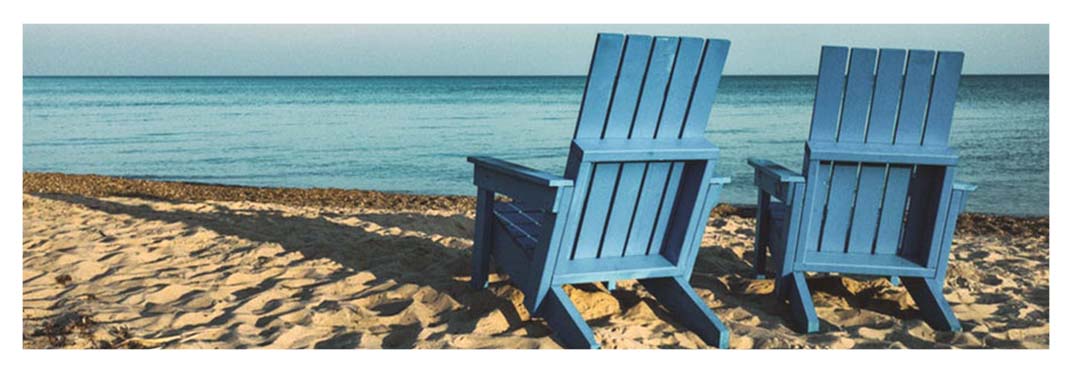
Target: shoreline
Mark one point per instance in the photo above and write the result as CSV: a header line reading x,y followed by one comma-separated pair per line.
x,y
91,185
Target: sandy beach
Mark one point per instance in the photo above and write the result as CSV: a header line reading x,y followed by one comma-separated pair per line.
x,y
121,263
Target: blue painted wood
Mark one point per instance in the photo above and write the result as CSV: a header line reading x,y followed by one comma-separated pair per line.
x,y
801,307
680,88
780,174
857,212
597,269
482,239
711,71
816,193
711,199
600,86
892,212
523,173
679,298
826,108
915,96
927,293
623,210
647,209
788,187
841,204
520,184
627,90
646,118
858,98
620,121
888,93
883,153
791,232
670,125
763,227
509,256
646,150
565,250
595,210
682,229
566,322
865,221
943,94
879,218
839,207
776,237
878,222
629,228
545,254
637,190
957,204
878,196
909,128
942,193
925,189
660,65
524,224
867,264
666,207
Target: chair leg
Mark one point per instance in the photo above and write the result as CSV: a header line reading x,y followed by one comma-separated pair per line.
x,y
565,321
895,280
760,239
482,238
928,295
784,285
801,308
610,285
676,294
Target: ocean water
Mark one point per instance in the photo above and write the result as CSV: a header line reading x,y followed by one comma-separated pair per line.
x,y
413,134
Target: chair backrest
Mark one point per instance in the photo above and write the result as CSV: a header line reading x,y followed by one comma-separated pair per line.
x,y
639,88
877,160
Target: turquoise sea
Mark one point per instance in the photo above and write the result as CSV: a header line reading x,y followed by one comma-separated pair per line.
x,y
412,134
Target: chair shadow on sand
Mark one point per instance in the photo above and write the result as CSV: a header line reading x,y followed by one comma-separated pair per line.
x,y
420,261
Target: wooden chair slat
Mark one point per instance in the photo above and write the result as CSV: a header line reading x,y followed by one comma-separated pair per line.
x,y
877,195
629,209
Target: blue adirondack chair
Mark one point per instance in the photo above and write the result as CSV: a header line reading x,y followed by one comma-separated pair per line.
x,y
638,188
877,194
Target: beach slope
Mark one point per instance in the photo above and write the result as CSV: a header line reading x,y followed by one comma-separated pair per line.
x,y
120,263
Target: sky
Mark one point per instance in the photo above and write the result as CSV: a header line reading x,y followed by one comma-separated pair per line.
x,y
484,49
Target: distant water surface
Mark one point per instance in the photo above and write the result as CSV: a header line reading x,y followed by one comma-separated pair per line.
x,y
413,134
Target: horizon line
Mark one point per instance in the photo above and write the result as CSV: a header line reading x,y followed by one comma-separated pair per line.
x,y
443,76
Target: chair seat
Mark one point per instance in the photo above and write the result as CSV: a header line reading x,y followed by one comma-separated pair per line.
x,y
522,223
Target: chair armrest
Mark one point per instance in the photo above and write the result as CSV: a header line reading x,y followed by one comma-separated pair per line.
x,y
776,171
524,184
773,178
961,193
720,180
519,172
964,187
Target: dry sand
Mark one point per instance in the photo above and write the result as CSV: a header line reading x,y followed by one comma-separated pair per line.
x,y
106,271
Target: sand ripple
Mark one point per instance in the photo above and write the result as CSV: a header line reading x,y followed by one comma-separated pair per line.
x,y
129,272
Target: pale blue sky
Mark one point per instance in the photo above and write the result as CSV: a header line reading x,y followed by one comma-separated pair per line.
x,y
483,49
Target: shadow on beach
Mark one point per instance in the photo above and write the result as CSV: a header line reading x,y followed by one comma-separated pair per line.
x,y
393,260
406,250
